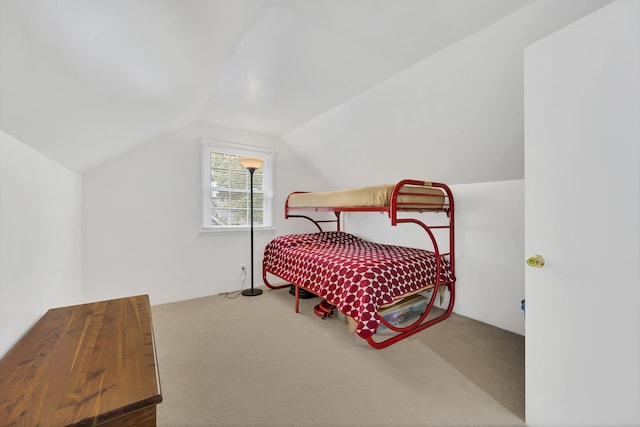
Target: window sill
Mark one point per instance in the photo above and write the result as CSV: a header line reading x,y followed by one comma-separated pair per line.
x,y
256,230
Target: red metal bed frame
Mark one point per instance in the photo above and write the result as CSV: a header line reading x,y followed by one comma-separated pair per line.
x,y
394,207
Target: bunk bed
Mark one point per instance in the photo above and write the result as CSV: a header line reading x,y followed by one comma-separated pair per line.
x,y
360,278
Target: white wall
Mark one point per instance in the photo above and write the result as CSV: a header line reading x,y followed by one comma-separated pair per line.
x,y
40,253
454,117
490,252
489,249
142,219
141,216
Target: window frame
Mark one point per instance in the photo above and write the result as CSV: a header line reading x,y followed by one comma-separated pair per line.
x,y
232,148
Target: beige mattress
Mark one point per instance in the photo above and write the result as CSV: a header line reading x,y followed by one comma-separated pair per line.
x,y
411,198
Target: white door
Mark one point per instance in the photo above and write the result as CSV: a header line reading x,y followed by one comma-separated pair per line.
x,y
582,210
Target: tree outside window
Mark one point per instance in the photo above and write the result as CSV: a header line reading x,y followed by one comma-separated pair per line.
x,y
227,198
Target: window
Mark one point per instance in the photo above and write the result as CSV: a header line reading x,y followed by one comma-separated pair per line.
x,y
226,187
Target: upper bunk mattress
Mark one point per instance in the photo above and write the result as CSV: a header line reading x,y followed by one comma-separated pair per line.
x,y
411,197
355,275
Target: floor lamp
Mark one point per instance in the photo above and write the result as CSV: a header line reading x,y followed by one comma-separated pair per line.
x,y
251,163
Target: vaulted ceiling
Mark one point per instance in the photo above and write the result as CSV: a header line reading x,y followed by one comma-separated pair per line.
x,y
84,81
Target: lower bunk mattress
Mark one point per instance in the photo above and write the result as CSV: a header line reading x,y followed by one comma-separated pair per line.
x,y
355,275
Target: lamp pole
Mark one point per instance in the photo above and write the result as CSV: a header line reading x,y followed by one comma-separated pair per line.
x,y
251,164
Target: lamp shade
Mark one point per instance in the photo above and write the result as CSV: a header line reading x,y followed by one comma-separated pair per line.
x,y
251,162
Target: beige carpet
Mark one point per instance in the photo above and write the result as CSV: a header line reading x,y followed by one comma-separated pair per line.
x,y
251,361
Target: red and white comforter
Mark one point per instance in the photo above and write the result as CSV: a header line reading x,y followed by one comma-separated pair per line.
x,y
355,275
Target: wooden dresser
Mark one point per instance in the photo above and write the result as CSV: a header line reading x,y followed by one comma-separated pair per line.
x,y
85,365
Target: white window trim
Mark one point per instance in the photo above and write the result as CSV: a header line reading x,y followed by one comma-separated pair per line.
x,y
266,154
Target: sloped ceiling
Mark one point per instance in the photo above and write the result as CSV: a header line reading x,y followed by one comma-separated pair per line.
x,y
457,116
302,58
84,81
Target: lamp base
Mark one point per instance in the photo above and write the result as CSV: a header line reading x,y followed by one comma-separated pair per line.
x,y
252,292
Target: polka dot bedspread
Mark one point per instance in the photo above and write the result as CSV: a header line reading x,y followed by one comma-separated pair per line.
x,y
355,275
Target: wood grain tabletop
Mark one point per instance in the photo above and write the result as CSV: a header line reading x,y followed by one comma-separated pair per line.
x,y
82,365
